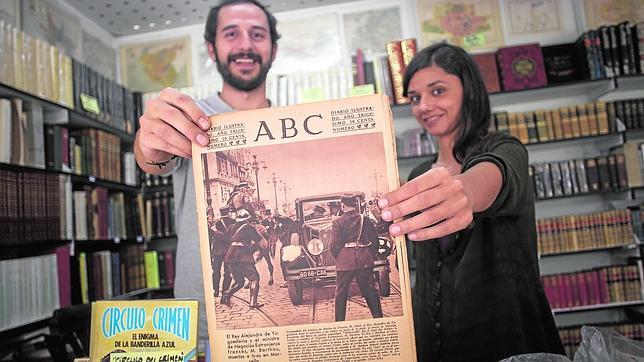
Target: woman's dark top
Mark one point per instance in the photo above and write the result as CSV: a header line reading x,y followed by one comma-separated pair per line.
x,y
480,298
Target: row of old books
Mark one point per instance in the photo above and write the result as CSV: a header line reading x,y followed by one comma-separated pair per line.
x,y
581,120
159,212
103,99
159,268
302,87
108,274
385,71
22,133
596,54
610,284
95,153
637,213
32,287
30,206
629,111
150,180
585,231
34,66
27,139
101,215
414,143
611,50
38,206
105,274
571,336
571,177
89,152
634,158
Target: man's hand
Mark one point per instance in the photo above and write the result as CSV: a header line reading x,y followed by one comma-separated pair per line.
x,y
169,125
440,198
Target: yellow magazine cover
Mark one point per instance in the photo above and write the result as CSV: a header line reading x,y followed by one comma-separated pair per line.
x,y
168,328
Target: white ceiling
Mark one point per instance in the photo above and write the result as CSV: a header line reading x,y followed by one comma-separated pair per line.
x,y
128,17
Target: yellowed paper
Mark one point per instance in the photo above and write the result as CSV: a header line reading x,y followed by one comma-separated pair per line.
x,y
295,163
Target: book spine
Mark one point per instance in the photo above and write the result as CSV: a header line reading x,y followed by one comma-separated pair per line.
x,y
397,70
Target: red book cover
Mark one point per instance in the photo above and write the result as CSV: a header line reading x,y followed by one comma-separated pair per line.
x,y
169,267
521,67
358,68
487,66
583,290
564,291
547,289
573,288
397,70
556,302
409,49
64,276
592,281
603,286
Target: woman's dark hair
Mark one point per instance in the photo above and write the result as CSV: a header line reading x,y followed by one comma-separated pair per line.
x,y
213,15
475,112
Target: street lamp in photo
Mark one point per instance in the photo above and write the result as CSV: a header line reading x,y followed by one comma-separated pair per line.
x,y
285,188
255,166
274,180
375,176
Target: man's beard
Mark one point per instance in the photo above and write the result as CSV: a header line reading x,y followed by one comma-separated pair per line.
x,y
240,83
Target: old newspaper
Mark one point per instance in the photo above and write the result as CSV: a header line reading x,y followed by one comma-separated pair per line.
x,y
298,265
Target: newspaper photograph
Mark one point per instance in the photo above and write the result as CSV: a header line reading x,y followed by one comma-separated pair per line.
x,y
298,264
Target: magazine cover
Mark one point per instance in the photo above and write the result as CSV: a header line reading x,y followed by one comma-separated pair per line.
x,y
298,265
144,330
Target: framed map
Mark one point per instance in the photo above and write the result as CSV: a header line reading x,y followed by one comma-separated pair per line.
x,y
152,66
307,44
99,56
206,67
601,12
57,27
527,16
471,24
371,30
542,21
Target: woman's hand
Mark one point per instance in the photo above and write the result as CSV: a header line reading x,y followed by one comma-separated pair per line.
x,y
441,199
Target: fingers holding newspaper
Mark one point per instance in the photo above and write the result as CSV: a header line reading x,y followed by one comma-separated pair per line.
x,y
438,200
171,122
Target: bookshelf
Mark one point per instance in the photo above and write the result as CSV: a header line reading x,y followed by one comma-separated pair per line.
x,y
575,261
31,207
609,90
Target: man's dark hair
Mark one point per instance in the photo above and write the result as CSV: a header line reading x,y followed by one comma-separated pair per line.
x,y
475,112
213,15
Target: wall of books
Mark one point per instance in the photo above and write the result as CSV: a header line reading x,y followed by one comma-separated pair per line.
x,y
75,225
78,222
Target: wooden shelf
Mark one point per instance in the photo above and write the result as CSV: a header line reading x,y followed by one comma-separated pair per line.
x,y
9,336
576,140
593,250
103,244
76,119
585,308
93,181
80,179
145,293
581,195
593,88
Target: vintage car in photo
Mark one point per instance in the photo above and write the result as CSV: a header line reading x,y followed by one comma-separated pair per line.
x,y
309,262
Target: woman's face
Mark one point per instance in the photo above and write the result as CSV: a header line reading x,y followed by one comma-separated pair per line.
x,y
436,97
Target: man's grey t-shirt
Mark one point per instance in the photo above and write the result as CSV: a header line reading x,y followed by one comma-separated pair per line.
x,y
188,282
